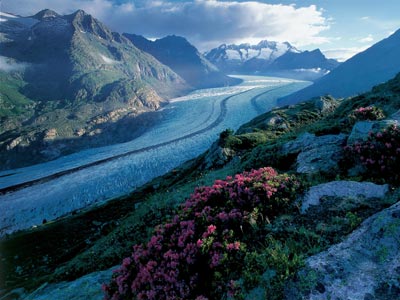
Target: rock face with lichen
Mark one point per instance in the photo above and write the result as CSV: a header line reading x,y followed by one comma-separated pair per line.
x,y
366,265
316,154
347,189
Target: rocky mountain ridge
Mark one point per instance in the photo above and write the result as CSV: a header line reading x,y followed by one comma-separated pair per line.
x,y
182,57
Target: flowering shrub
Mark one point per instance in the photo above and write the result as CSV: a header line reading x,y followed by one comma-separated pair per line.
x,y
380,154
369,113
199,254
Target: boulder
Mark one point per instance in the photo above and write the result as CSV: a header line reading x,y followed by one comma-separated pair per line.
x,y
217,156
276,122
366,265
316,154
326,104
346,189
361,130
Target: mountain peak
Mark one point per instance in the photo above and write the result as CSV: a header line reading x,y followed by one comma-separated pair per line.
x,y
80,15
85,22
174,38
80,12
266,44
45,14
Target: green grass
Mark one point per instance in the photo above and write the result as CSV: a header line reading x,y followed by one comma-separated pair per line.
x,y
12,102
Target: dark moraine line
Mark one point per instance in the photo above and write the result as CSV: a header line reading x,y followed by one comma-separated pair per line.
x,y
220,118
257,106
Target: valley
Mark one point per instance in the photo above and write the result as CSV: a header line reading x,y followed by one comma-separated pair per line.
x,y
189,125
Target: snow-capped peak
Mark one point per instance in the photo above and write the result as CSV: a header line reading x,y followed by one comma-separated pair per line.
x,y
266,50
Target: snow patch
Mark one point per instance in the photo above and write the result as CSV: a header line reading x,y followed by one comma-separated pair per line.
x,y
5,16
108,60
251,53
233,54
265,53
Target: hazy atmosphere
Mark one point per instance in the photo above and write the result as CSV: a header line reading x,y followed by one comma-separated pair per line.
x,y
339,28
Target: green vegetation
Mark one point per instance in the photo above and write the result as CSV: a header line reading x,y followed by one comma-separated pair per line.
x,y
106,234
13,103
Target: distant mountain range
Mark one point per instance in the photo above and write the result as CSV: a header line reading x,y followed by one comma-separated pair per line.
x,y
184,59
360,73
271,58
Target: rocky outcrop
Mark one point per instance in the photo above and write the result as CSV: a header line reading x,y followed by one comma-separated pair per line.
x,y
365,266
316,154
326,104
86,287
344,189
361,130
217,156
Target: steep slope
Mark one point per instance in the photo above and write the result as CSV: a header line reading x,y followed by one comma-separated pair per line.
x,y
307,65
71,78
360,73
271,58
281,244
182,57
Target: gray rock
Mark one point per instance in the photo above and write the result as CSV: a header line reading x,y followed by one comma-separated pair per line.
x,y
217,156
276,122
326,104
299,144
361,130
316,154
347,189
86,287
364,266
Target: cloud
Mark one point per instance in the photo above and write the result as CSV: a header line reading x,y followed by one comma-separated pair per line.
x,y
367,39
366,18
9,65
206,23
343,54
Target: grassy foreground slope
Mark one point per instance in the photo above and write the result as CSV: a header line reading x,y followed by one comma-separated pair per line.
x,y
101,238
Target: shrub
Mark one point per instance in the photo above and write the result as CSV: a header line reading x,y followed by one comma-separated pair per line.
x,y
369,113
199,254
380,154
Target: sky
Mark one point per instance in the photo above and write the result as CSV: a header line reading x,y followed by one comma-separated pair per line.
x,y
340,28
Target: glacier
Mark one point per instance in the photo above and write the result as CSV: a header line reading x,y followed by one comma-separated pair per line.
x,y
189,125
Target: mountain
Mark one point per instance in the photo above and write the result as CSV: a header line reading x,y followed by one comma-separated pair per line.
x,y
271,58
377,64
304,234
235,58
69,80
183,58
